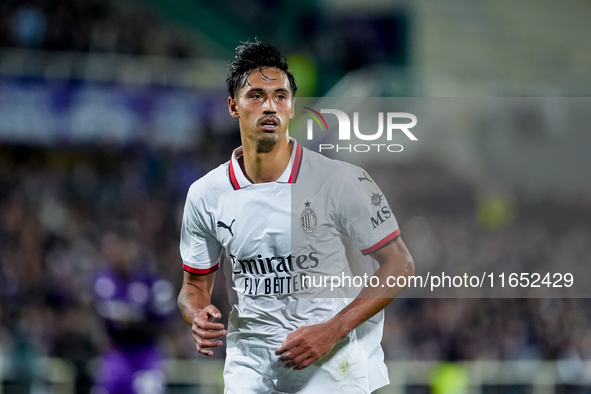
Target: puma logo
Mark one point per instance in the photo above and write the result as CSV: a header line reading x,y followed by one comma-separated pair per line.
x,y
364,178
229,228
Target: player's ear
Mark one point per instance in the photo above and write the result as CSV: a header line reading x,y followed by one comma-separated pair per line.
x,y
232,108
292,108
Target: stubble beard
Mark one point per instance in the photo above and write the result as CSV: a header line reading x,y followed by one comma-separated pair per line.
x,y
266,142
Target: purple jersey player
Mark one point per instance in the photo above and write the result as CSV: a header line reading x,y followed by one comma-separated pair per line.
x,y
133,303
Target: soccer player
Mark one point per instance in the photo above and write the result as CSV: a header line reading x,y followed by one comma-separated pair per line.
x,y
275,217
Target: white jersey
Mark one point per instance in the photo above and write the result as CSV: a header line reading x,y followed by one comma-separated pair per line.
x,y
277,240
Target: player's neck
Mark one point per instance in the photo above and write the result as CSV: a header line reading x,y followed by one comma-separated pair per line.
x,y
262,167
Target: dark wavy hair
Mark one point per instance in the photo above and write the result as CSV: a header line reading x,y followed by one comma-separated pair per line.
x,y
255,55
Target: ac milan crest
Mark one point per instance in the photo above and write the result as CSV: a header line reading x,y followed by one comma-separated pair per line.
x,y
308,219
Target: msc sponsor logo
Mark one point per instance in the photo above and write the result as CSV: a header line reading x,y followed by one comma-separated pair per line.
x,y
381,216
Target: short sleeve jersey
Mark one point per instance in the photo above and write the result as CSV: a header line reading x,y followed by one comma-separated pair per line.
x,y
276,242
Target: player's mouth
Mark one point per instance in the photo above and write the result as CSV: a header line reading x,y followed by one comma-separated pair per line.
x,y
270,124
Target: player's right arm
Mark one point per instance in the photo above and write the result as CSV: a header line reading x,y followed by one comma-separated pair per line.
x,y
201,253
195,304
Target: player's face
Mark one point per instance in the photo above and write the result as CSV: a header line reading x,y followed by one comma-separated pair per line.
x,y
263,107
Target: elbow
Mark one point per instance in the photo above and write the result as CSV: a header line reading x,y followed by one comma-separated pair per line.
x,y
182,303
409,267
179,300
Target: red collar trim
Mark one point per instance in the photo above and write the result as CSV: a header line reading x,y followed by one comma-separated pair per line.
x,y
233,179
238,180
297,161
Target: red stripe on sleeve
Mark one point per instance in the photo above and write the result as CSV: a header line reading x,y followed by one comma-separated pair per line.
x,y
383,242
201,271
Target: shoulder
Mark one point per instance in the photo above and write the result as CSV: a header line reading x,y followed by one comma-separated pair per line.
x,y
211,185
333,168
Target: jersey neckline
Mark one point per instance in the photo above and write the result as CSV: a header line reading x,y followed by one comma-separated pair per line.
x,y
239,181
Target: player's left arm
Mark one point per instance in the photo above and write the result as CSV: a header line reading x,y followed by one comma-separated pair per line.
x,y
308,344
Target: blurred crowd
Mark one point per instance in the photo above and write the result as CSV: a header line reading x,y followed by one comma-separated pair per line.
x,y
322,42
90,26
57,210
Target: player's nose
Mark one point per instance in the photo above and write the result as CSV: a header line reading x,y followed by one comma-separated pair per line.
x,y
269,106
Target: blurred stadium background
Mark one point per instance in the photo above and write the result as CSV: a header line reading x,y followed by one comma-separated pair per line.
x,y
109,110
